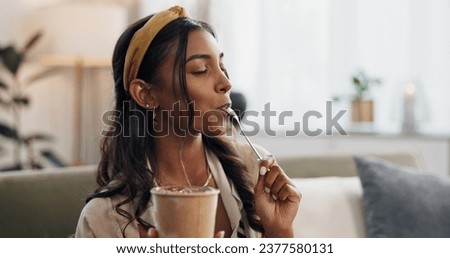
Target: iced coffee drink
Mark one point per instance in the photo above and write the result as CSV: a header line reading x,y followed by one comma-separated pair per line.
x,y
184,211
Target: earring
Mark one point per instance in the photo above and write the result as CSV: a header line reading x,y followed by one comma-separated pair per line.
x,y
154,117
147,106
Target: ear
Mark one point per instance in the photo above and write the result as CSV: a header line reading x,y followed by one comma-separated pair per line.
x,y
143,94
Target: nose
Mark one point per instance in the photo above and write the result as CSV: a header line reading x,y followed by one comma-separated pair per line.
x,y
223,84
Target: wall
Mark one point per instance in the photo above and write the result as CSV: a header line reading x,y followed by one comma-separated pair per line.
x,y
52,108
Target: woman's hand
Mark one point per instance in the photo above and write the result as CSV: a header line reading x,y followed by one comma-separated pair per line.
x,y
152,233
220,234
276,199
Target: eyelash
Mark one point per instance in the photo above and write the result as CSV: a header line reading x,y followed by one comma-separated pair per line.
x,y
199,72
223,69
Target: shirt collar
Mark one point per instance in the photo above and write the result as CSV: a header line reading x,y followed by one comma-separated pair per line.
x,y
230,198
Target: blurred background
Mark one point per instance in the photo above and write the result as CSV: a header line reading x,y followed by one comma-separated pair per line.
x,y
385,63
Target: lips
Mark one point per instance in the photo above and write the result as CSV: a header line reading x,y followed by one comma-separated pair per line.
x,y
224,108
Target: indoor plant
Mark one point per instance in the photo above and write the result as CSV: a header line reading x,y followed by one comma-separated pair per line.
x,y
13,99
362,105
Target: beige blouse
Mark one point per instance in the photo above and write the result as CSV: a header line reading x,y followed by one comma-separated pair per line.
x,y
99,218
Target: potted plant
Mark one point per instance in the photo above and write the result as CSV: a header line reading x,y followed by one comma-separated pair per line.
x,y
12,100
362,106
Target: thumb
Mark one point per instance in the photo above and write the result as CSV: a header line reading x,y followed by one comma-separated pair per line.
x,y
152,233
220,234
259,187
265,164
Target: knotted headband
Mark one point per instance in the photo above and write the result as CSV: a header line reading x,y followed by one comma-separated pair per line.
x,y
143,38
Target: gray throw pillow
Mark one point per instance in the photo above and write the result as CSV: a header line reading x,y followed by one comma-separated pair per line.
x,y
400,202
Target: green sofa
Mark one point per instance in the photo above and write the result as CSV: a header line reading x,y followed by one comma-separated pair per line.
x,y
43,203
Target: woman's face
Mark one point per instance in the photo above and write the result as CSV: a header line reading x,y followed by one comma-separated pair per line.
x,y
207,84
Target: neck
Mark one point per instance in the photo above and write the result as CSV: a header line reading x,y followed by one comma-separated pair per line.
x,y
172,153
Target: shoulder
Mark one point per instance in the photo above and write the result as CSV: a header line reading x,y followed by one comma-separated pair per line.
x,y
99,219
97,207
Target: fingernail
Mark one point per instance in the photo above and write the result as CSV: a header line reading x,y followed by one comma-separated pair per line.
x,y
274,197
262,171
266,189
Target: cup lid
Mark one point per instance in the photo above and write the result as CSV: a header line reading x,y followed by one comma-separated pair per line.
x,y
183,190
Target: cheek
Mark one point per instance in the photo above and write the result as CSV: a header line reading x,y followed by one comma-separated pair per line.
x,y
199,88
167,100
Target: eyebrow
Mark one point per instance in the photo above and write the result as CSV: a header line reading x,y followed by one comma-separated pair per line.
x,y
201,56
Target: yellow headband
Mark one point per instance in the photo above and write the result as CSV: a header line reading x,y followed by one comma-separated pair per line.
x,y
143,38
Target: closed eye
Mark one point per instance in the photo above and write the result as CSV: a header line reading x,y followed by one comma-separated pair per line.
x,y
198,72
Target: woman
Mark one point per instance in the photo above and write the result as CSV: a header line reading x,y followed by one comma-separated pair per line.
x,y
172,91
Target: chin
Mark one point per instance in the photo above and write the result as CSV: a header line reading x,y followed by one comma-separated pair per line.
x,y
216,131
215,124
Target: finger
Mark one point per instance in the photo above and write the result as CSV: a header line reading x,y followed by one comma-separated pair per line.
x,y
289,192
152,233
265,164
220,234
269,178
280,181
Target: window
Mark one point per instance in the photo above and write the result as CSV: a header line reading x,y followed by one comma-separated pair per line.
x,y
297,54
